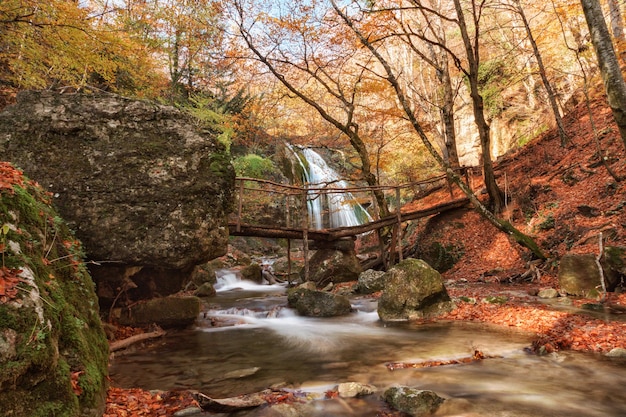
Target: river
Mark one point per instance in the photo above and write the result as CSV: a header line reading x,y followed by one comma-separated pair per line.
x,y
248,340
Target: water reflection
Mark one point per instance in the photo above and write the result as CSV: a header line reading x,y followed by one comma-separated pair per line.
x,y
265,343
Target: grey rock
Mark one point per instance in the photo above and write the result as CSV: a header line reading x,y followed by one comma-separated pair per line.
x,y
354,389
579,274
370,281
617,353
318,303
413,290
333,266
548,293
413,401
136,181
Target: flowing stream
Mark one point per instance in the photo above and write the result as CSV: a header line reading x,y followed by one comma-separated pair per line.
x,y
248,340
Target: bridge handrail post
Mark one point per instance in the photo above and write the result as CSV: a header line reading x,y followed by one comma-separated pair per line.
x,y
399,217
240,205
305,232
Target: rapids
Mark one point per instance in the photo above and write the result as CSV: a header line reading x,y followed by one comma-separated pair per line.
x,y
248,340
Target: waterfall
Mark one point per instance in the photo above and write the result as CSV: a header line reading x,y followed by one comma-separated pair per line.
x,y
339,209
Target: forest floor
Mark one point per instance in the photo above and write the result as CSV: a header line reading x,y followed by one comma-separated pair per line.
x,y
565,198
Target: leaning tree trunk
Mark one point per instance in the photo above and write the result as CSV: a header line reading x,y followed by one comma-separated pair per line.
x,y
612,77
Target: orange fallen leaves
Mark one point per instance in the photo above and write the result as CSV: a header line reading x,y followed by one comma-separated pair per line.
x,y
556,329
9,280
135,402
74,380
9,176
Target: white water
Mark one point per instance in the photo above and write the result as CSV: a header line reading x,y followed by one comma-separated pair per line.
x,y
339,208
264,343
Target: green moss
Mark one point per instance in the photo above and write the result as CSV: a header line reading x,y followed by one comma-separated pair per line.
x,y
70,337
442,258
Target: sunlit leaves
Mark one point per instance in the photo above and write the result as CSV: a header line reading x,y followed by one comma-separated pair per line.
x,y
61,43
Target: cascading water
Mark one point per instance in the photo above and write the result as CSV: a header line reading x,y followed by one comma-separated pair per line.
x,y
248,340
339,208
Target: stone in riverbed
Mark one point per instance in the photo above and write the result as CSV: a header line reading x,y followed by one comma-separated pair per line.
x,y
548,293
318,303
370,281
354,389
413,401
617,353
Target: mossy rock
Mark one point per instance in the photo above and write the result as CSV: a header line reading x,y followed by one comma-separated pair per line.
x,y
53,349
442,258
413,290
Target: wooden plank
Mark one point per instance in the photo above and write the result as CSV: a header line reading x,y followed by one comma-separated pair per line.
x,y
337,233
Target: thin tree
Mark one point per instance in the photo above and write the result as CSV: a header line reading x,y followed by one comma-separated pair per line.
x,y
392,79
517,7
472,52
612,76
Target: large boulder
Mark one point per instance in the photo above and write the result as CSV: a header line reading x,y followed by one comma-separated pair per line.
x,y
53,350
333,262
139,184
413,290
579,275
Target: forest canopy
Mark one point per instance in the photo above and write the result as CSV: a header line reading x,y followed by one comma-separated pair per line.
x,y
311,70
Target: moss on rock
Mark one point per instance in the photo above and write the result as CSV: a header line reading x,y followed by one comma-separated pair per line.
x,y
53,350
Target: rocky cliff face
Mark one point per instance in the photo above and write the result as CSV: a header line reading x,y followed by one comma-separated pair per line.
x,y
140,184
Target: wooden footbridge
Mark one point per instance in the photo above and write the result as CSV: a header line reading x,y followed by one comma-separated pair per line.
x,y
268,209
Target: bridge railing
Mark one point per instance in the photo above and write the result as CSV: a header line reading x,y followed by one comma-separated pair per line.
x,y
266,203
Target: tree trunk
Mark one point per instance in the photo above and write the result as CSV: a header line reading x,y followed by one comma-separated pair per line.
x,y
495,194
544,77
617,24
447,113
612,77
366,168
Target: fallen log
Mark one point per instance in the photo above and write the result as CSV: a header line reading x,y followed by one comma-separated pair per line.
x,y
124,343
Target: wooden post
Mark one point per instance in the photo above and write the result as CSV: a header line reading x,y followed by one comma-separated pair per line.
x,y
240,206
393,245
376,209
399,232
305,233
289,262
288,224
